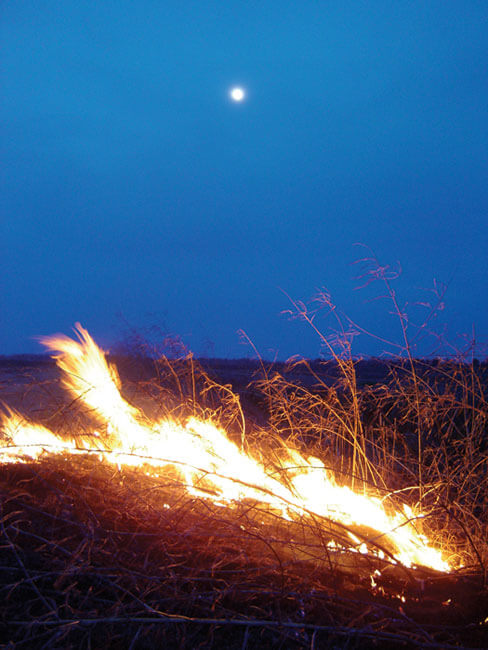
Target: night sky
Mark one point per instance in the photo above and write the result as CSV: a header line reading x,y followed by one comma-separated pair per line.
x,y
136,193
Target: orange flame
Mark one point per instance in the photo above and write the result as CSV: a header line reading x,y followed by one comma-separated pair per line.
x,y
213,467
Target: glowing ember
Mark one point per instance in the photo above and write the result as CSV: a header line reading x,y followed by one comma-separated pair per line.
x,y
212,466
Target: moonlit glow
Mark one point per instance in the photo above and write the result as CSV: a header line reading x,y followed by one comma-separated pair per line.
x,y
237,94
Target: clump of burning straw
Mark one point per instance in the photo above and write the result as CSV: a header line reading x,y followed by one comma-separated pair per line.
x,y
172,523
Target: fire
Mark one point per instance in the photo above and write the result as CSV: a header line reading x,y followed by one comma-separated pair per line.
x,y
211,465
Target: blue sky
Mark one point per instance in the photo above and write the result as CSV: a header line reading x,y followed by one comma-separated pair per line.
x,y
134,191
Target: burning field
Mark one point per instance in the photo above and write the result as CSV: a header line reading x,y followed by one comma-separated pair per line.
x,y
154,513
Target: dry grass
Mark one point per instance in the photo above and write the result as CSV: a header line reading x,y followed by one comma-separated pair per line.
x,y
95,556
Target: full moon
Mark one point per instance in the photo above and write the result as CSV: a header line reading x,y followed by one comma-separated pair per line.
x,y
237,94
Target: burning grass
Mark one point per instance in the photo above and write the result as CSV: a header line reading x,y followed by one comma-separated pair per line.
x,y
117,539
